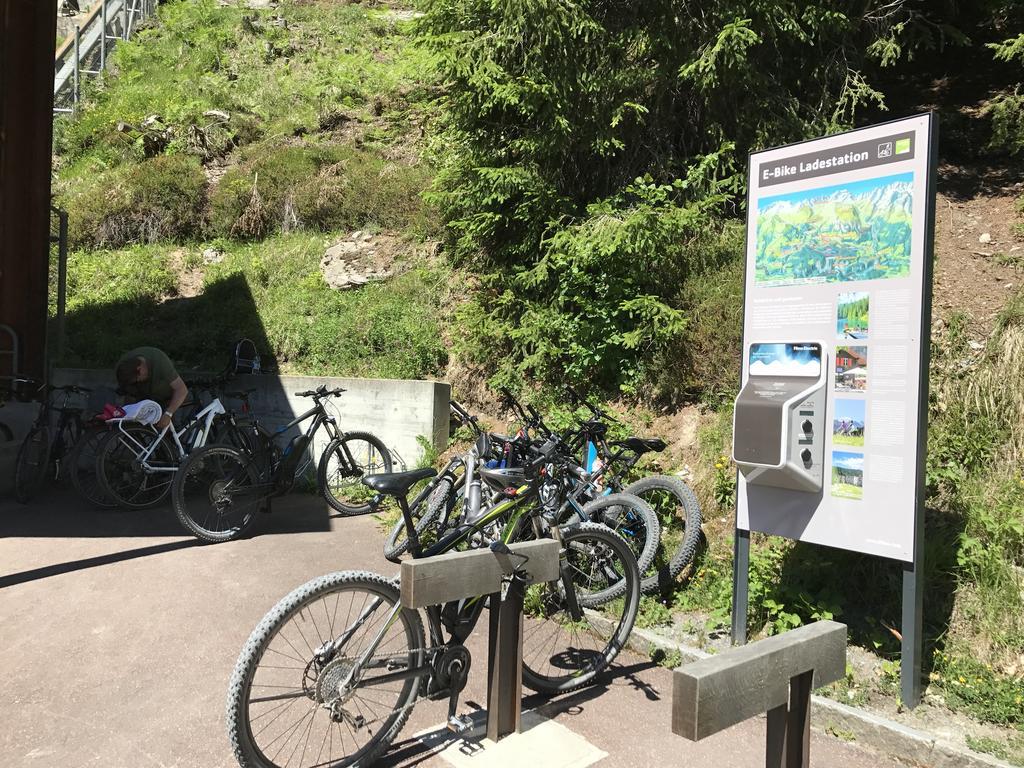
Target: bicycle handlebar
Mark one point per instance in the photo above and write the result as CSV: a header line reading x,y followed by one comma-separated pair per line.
x,y
465,417
578,399
321,391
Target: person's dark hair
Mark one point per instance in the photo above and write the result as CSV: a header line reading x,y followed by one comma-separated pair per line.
x,y
126,371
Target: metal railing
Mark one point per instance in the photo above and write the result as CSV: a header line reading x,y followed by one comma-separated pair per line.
x,y
86,50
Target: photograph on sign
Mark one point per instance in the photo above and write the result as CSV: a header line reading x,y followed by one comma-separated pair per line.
x,y
785,360
847,475
838,239
848,422
851,369
852,316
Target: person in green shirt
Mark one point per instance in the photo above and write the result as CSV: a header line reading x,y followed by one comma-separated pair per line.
x,y
146,373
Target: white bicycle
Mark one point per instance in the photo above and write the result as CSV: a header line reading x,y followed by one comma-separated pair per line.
x,y
136,463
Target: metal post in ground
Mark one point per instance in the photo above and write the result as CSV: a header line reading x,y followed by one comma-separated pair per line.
x,y
124,20
103,35
740,586
75,94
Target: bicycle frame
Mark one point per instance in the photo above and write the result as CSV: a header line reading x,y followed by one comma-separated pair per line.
x,y
464,613
321,417
202,420
269,473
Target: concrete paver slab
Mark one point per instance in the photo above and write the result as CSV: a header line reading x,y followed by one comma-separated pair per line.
x,y
543,743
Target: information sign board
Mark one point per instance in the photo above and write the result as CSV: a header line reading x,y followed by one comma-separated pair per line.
x,y
839,247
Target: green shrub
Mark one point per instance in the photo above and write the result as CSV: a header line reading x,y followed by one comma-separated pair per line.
x,y
317,186
158,199
972,686
703,362
364,190
600,302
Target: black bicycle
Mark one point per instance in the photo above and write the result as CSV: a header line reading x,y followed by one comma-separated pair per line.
x,y
332,672
219,489
674,503
44,448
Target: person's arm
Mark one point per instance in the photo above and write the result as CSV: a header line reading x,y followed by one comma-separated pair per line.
x,y
178,394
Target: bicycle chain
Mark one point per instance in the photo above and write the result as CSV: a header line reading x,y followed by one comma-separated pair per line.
x,y
414,702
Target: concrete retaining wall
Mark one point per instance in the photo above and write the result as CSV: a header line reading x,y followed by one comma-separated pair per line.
x,y
396,411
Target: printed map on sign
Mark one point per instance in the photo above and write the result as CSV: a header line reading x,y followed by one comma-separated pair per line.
x,y
857,231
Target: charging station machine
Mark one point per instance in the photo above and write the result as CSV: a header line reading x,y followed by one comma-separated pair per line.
x,y
779,418
830,424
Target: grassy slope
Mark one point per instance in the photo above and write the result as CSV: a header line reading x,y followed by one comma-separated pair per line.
x,y
323,111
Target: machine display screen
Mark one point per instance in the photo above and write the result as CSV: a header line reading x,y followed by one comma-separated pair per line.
x,y
785,360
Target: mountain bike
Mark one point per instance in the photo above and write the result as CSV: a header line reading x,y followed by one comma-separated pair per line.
x,y
433,506
673,501
495,462
83,459
584,497
43,450
332,672
137,462
219,489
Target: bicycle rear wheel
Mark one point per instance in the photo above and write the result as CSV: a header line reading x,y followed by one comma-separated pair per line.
x,y
678,511
81,466
289,698
574,627
33,464
436,506
217,493
339,479
121,474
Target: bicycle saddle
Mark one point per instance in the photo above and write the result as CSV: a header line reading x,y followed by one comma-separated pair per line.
x,y
641,444
397,483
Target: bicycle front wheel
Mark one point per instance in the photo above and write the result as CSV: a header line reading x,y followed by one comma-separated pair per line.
x,y
343,465
33,464
297,697
217,493
574,627
678,512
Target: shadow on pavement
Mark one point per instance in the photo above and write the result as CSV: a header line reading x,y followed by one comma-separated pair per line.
x,y
61,513
91,562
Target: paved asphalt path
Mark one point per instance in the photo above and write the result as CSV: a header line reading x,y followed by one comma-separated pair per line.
x,y
118,635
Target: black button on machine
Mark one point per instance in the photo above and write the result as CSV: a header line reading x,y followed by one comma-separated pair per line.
x,y
807,426
805,454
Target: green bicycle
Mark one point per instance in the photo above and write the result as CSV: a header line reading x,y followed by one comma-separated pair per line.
x,y
332,672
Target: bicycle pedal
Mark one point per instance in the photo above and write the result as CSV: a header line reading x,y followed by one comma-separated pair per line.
x,y
457,724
